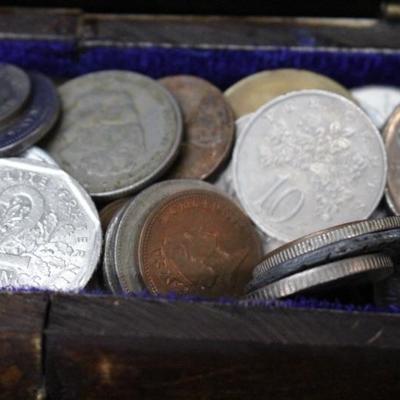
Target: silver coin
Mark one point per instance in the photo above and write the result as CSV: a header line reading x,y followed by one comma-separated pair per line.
x,y
35,153
377,101
36,119
15,88
126,239
373,267
50,235
119,132
306,161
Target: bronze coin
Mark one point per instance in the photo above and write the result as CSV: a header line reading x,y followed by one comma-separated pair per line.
x,y
198,242
209,126
391,136
108,211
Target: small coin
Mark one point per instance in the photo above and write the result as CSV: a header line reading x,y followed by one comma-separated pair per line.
x,y
36,153
119,132
372,267
35,120
107,212
208,126
378,102
125,239
197,242
338,242
50,236
252,92
15,88
306,161
392,143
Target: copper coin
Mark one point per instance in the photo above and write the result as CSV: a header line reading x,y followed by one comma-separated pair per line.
x,y
198,242
209,126
391,136
108,211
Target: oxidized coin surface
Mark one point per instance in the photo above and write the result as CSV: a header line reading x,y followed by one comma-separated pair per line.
x,y
15,88
391,136
372,267
120,131
353,239
306,161
378,102
36,153
50,236
252,92
198,242
209,126
107,212
36,119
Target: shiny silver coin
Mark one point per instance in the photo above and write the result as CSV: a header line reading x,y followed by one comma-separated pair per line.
x,y
306,161
35,153
127,234
15,88
50,235
36,119
371,267
377,101
120,131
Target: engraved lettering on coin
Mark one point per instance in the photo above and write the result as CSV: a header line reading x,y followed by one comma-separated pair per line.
x,y
208,126
120,130
306,161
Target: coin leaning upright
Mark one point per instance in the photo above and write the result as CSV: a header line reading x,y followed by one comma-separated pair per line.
x,y
120,131
306,161
50,235
209,126
253,91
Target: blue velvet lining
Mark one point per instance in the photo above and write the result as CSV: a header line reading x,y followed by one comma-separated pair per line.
x,y
223,67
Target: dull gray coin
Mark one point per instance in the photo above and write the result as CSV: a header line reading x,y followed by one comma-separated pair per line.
x,y
50,235
120,131
306,161
372,267
15,88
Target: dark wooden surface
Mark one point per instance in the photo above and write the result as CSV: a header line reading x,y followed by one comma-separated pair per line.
x,y
22,318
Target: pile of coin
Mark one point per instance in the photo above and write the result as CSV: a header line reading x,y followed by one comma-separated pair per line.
x,y
301,157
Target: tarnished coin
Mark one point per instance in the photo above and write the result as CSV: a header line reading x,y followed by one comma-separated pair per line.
x,y
348,240
307,161
198,242
36,153
50,235
378,102
252,92
127,230
107,212
36,119
208,126
15,88
391,136
372,267
119,132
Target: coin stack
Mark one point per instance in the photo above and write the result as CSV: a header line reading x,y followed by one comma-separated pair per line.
x,y
287,153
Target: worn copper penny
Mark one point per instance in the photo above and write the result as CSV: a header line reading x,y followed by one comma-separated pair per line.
x,y
391,136
198,242
209,126
107,212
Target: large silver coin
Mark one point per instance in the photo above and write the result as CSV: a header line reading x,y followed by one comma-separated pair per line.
x,y
306,161
15,87
50,235
372,267
378,102
119,132
35,153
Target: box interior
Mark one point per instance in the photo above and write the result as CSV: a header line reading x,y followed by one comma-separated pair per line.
x,y
223,67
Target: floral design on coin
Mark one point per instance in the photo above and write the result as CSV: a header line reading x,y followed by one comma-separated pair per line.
x,y
50,234
208,126
120,130
198,242
15,87
306,161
